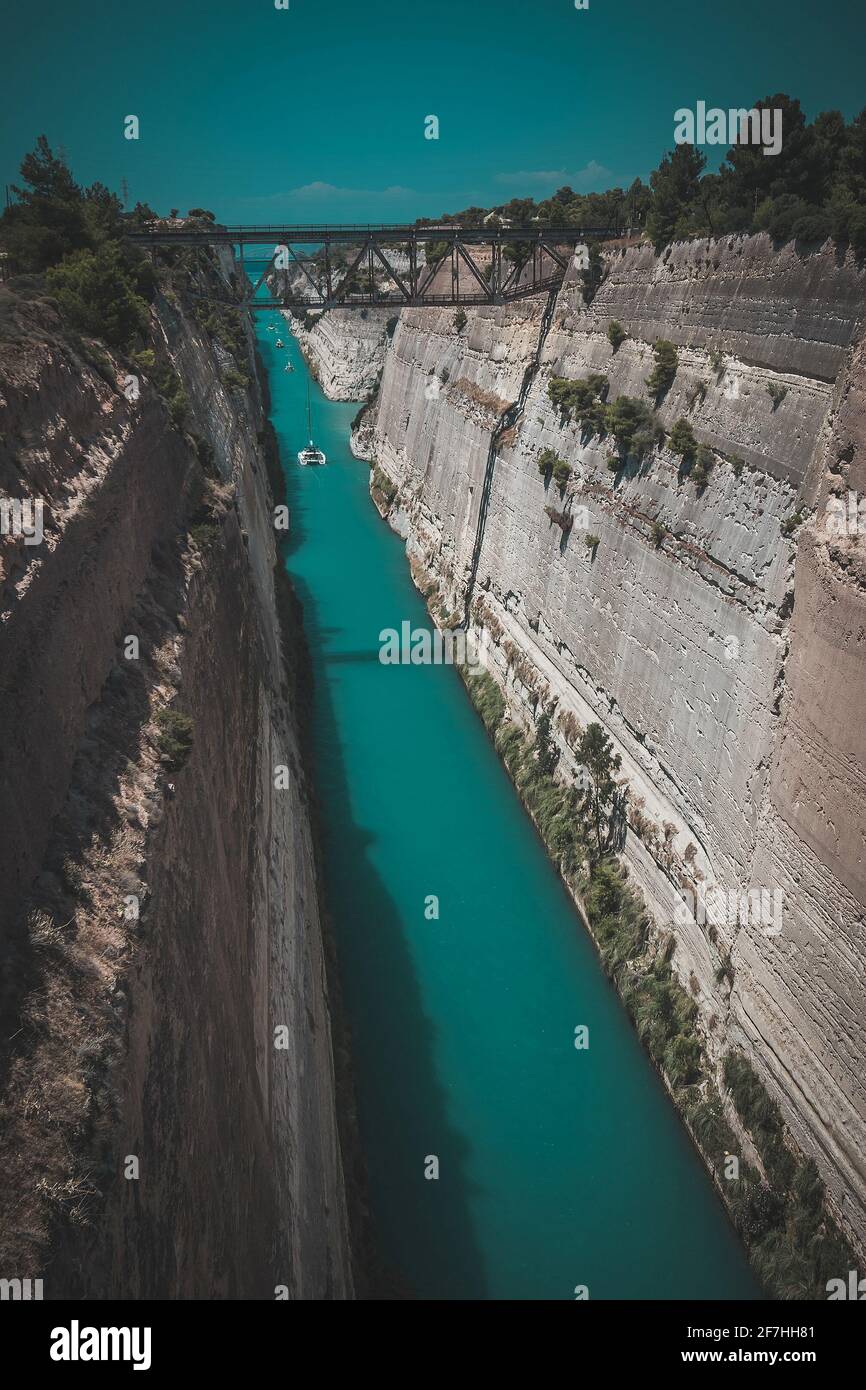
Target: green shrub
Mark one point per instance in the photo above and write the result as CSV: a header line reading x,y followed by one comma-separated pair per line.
x,y
658,533
738,464
776,392
633,424
94,290
166,381
546,752
665,369
235,381
761,1116
681,440
381,483
460,321
549,463
174,737
682,1060
704,460
205,533
178,405
582,400
546,460
226,326
616,334
487,699
790,524
711,1129
435,250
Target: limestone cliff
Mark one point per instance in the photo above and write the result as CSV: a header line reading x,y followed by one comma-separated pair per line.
x,y
345,349
168,1090
715,630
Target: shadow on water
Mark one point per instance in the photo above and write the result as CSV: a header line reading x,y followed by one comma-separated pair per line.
x,y
422,1226
351,658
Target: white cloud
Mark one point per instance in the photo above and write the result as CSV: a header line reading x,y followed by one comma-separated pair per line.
x,y
320,192
593,177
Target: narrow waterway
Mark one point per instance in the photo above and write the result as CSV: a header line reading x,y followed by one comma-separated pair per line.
x,y
557,1167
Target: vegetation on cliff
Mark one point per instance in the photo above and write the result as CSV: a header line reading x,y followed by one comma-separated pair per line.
x,y
102,284
72,242
814,188
632,422
779,1209
662,375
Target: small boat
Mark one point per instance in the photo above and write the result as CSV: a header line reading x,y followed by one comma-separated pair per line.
x,y
288,367
311,455
308,457
272,328
280,343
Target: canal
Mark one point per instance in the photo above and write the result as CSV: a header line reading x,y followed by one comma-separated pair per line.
x,y
556,1167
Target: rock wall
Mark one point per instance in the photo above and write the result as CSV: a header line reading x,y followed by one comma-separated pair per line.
x,y
716,632
346,349
160,914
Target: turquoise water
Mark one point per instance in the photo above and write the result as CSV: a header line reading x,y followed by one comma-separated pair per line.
x,y
557,1167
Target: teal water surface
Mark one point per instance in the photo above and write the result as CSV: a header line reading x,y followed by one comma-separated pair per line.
x,y
557,1167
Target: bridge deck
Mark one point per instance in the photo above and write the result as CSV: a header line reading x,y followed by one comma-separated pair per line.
x,y
319,233
518,261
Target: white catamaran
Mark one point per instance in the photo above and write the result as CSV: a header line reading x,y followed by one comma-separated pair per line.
x,y
311,454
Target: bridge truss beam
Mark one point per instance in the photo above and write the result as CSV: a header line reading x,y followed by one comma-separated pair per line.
x,y
384,269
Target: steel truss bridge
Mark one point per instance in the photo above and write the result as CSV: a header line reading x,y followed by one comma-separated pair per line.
x,y
328,267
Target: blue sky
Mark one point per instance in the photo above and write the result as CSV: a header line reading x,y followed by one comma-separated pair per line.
x,y
317,112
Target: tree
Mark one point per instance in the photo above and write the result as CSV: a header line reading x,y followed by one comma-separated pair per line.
x,y
546,752
633,425
547,459
616,334
603,799
665,369
591,278
48,220
682,440
94,290
46,176
815,180
704,460
675,186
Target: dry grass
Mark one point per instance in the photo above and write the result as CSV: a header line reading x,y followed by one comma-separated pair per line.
x,y
62,1081
487,400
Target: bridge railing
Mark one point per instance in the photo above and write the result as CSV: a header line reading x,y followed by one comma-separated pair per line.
x,y
349,231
